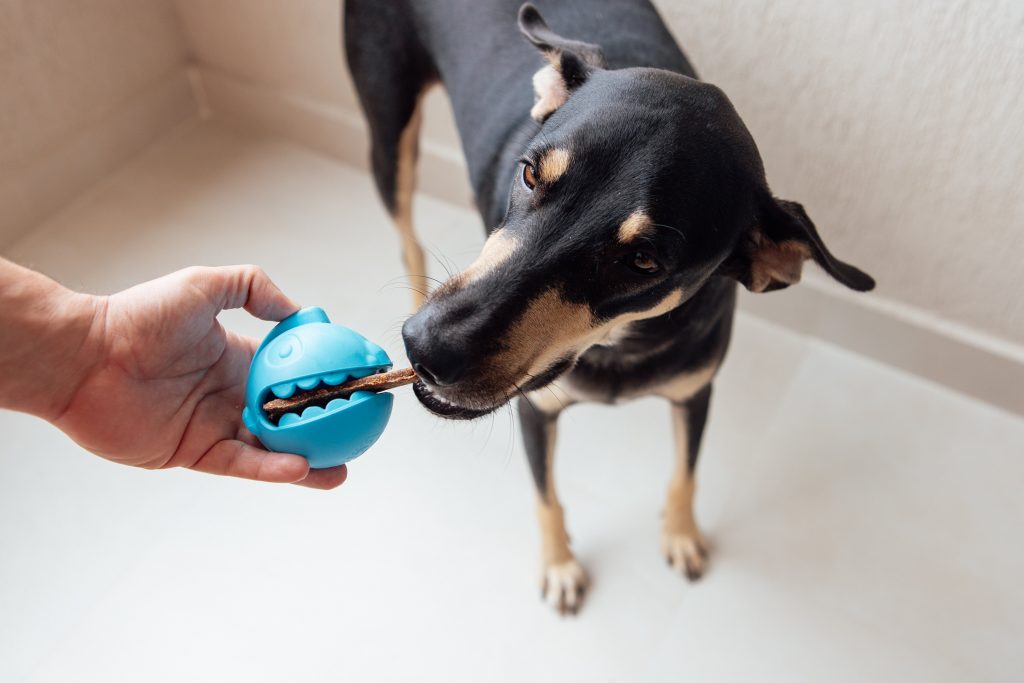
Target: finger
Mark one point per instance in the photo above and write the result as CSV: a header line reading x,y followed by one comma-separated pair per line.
x,y
234,458
325,479
245,287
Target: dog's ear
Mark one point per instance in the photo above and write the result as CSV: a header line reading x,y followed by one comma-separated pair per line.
x,y
771,254
570,63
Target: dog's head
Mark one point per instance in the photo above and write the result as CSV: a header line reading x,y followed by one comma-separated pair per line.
x,y
639,186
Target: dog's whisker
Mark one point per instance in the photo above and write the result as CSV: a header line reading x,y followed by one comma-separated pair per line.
x,y
398,279
445,264
673,229
428,278
411,288
511,433
547,387
561,403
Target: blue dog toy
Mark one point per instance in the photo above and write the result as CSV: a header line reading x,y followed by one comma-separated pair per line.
x,y
301,352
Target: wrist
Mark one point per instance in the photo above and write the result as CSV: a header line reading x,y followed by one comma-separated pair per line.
x,y
79,323
50,343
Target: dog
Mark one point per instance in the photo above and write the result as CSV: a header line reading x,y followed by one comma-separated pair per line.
x,y
625,201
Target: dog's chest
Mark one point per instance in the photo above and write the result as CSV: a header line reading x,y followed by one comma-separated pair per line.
x,y
578,388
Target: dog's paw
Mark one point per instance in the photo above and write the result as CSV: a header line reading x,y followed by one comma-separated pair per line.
x,y
685,553
563,586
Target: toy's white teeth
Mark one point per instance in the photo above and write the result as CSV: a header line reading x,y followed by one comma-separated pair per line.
x,y
286,390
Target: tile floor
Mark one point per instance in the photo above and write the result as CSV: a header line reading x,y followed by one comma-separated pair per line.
x,y
865,524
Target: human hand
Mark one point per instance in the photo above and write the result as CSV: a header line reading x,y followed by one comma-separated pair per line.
x,y
166,384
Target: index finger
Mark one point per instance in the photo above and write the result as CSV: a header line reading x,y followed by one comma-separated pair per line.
x,y
247,287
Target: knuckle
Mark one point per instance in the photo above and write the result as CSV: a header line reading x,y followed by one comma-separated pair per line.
x,y
193,273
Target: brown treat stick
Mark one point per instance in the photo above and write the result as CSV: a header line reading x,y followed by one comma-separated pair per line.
x,y
380,382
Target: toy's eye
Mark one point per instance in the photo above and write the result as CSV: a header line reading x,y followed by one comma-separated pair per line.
x,y
643,263
284,351
529,175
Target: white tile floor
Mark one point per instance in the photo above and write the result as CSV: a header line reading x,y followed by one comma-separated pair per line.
x,y
866,525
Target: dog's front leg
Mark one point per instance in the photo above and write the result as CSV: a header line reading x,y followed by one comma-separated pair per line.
x,y
563,581
682,544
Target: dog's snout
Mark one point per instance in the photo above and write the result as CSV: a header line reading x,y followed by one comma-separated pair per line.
x,y
435,356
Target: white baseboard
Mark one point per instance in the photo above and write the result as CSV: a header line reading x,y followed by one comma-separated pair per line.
x,y
893,333
901,336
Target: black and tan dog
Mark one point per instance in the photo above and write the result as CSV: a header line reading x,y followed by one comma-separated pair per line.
x,y
624,199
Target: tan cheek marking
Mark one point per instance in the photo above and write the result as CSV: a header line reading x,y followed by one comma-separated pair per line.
x,y
553,328
638,224
549,91
497,249
554,164
548,327
782,262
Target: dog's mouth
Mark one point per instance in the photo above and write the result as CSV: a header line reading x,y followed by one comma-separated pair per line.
x,y
442,407
453,410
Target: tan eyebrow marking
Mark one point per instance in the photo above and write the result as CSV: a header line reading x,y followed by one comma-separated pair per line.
x,y
554,164
638,223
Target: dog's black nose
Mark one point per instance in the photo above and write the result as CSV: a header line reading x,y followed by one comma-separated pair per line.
x,y
435,356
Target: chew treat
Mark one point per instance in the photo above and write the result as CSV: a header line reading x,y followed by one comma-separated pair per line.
x,y
381,381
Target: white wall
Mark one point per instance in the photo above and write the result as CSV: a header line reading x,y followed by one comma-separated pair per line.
x,y
280,69
897,123
83,85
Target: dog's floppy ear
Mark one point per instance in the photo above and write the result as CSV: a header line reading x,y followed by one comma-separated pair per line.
x,y
570,63
771,255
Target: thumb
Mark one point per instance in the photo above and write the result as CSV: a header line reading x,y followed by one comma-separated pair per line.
x,y
247,287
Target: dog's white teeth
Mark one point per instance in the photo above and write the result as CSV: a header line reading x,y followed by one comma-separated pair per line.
x,y
286,390
334,379
308,383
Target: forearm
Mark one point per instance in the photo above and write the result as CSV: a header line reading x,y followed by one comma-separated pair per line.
x,y
46,345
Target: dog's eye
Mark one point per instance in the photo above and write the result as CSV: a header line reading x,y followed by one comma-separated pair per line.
x,y
529,175
643,263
